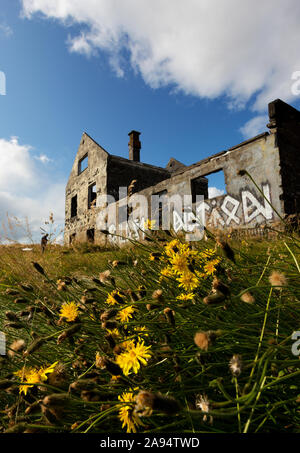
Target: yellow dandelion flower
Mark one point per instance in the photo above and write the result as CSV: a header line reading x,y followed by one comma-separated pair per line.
x,y
166,272
206,254
47,370
149,224
114,333
127,345
172,247
32,376
125,314
188,281
179,263
132,358
115,298
188,296
28,376
129,419
141,329
69,311
210,267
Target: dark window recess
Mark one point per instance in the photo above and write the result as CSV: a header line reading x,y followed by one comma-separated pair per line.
x,y
83,164
92,195
74,206
90,234
160,206
72,238
199,187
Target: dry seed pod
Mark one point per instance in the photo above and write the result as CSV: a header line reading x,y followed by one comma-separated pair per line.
x,y
158,295
56,400
248,298
83,384
14,325
16,346
34,407
11,316
106,364
38,267
52,416
96,395
235,364
214,298
20,300
109,325
228,252
148,401
169,314
18,428
26,287
104,277
217,285
107,314
110,340
133,296
202,340
59,376
151,306
68,333
11,411
11,292
277,279
34,346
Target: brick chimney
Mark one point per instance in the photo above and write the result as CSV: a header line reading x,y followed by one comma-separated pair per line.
x,y
134,146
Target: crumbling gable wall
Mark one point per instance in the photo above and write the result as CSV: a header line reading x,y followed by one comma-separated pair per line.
x,y
78,186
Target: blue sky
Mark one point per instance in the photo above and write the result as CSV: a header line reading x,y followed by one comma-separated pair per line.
x,y
109,67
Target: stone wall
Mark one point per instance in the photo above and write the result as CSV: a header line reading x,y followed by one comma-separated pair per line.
x,y
78,184
285,124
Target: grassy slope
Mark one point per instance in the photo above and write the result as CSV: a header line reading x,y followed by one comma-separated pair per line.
x,y
267,387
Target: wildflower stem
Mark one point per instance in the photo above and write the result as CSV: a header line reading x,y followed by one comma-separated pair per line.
x,y
264,270
262,333
294,258
237,403
254,406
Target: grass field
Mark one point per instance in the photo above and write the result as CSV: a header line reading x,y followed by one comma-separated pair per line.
x,y
161,336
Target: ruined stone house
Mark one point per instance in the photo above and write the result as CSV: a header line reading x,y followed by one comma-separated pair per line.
x,y
272,159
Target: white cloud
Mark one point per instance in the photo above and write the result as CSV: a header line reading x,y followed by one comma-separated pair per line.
x,y
80,45
15,164
6,30
214,192
255,126
26,191
242,49
43,158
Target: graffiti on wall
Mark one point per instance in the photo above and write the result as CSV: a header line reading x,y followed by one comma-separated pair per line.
x,y
225,211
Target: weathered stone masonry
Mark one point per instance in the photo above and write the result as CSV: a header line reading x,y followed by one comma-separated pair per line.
x,y
272,159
